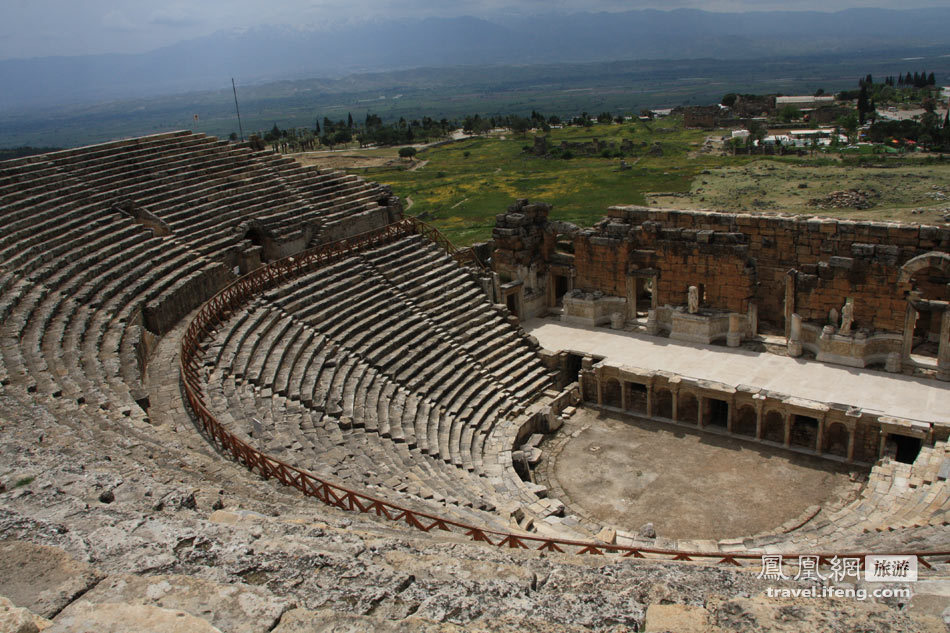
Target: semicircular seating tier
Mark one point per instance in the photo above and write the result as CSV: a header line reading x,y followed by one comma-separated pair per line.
x,y
99,243
388,369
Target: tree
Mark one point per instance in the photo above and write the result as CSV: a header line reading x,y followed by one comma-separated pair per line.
x,y
407,152
862,103
273,135
849,123
349,121
757,131
342,137
789,113
520,125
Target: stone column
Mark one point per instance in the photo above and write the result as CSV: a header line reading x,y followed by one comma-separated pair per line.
x,y
730,409
675,390
795,336
788,428
821,431
600,390
943,351
700,407
851,435
652,326
789,298
880,450
759,402
632,287
910,320
623,394
650,399
734,337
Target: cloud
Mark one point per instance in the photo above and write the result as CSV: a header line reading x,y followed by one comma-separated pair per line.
x,y
175,16
117,21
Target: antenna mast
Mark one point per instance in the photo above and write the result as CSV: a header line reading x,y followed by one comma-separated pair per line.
x,y
237,109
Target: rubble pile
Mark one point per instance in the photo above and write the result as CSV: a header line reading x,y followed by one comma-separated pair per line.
x,y
849,199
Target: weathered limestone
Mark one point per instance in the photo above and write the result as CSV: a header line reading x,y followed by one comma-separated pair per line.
x,y
14,619
83,615
56,579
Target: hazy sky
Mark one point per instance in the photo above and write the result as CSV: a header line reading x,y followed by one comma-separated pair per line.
x,y
37,28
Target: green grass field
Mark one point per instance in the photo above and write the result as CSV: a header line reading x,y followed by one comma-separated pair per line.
x,y
464,184
461,186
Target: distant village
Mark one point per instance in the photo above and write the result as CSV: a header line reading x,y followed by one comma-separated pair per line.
x,y
909,113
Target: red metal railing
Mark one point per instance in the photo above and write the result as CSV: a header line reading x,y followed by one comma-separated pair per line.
x,y
217,309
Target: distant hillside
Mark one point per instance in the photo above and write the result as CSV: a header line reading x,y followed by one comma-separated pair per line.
x,y
273,53
454,92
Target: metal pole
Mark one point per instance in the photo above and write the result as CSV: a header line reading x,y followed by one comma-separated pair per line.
x,y
237,109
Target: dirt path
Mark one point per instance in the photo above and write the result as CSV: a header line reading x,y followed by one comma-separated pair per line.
x,y
419,165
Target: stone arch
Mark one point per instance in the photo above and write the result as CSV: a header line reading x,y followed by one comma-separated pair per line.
x,y
612,396
773,427
664,404
687,409
835,441
636,397
804,432
744,422
934,259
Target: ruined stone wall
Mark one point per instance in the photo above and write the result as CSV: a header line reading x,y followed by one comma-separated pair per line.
x,y
601,263
834,259
872,286
738,259
163,312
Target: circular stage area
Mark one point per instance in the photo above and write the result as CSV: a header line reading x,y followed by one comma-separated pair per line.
x,y
690,484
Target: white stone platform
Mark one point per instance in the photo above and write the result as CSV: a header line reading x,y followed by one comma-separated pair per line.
x,y
897,395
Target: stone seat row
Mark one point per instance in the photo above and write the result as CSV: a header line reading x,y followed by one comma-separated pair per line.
x,y
392,335
426,277
202,188
73,328
257,347
335,448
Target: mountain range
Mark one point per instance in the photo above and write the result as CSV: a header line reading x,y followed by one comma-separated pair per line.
x,y
269,53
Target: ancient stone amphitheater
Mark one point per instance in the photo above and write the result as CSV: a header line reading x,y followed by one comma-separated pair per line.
x,y
239,394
